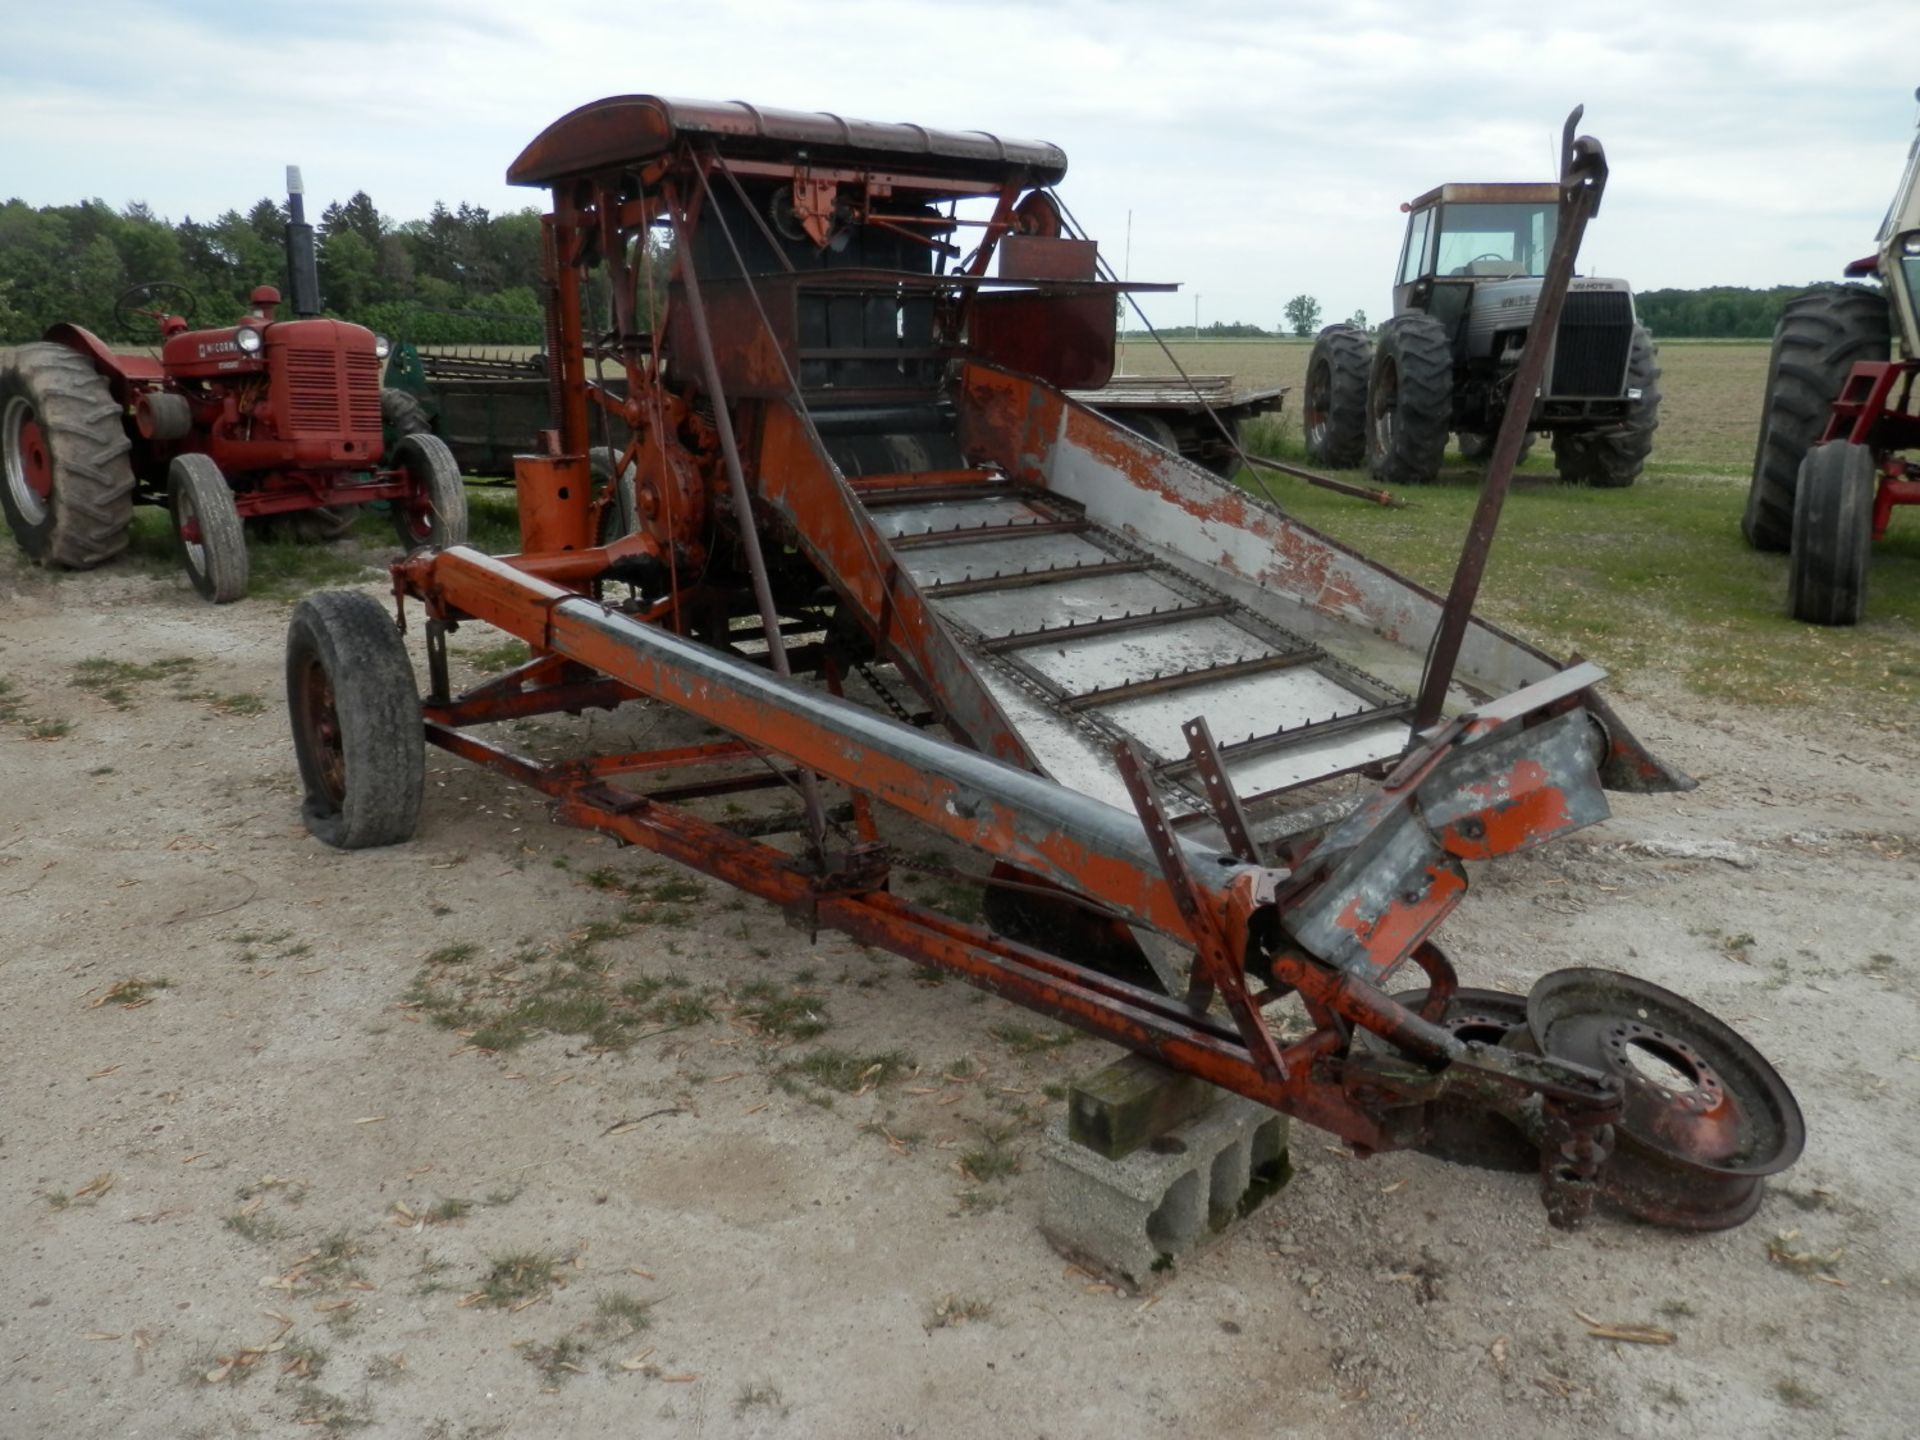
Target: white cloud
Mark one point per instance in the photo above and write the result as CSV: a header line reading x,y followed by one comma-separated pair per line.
x,y
1262,148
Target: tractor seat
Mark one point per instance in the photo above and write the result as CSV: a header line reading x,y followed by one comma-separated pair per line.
x,y
1504,269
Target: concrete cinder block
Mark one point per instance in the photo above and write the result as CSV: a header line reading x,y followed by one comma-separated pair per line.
x,y
1134,1217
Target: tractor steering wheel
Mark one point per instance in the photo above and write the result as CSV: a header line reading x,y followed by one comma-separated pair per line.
x,y
124,310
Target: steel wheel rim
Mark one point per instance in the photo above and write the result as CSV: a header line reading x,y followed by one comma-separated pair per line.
x,y
319,720
192,536
23,453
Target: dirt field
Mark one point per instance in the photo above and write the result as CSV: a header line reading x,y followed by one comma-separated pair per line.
x,y
712,1178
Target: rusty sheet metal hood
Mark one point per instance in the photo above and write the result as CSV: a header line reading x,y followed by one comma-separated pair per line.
x,y
625,128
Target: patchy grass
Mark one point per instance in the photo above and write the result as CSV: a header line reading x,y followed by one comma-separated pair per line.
x,y
620,1315
499,657
559,1361
780,1013
114,680
520,1275
848,1072
1797,1396
131,992
568,988
238,703
1023,1041
253,1226
994,1158
758,1395
49,729
954,1310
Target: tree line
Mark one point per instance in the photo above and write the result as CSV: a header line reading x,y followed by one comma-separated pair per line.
x,y
466,276
460,276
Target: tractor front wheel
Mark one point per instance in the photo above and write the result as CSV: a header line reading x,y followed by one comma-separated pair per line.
x,y
355,708
434,512
1334,413
1613,459
1409,400
207,533
65,480
1832,533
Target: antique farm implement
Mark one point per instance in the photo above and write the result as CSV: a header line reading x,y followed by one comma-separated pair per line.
x,y
1226,771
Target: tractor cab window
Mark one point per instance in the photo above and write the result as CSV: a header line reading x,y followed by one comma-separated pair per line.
x,y
1413,257
1499,241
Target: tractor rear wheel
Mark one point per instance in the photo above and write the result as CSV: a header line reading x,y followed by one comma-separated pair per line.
x,y
436,512
1334,413
1409,400
1820,336
1832,533
355,708
1477,449
1613,459
66,483
207,533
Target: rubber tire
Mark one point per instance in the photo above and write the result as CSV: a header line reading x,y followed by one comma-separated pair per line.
x,y
402,414
1820,336
1477,449
620,518
1832,534
87,444
1613,459
1336,387
352,639
1150,426
220,575
430,464
1406,440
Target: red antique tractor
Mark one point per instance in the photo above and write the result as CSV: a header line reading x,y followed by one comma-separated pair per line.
x,y
261,418
1840,421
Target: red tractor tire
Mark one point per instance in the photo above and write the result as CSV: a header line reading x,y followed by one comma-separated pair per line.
x,y
66,483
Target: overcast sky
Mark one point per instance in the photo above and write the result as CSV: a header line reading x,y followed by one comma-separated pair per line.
x,y
1262,149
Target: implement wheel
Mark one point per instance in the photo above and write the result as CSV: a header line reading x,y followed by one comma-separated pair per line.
x,y
355,708
1832,533
1612,459
1334,413
207,533
1409,401
65,481
436,512
1815,345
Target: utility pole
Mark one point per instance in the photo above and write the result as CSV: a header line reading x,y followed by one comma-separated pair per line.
x,y
1196,316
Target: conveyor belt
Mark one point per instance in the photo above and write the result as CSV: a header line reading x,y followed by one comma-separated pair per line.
x,y
1084,638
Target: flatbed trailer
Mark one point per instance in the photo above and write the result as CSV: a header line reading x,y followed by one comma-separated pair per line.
x,y
1225,771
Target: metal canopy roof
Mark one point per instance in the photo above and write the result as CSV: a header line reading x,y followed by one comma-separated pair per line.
x,y
625,129
1523,192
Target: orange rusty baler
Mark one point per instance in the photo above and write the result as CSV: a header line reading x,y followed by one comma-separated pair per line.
x,y
1023,625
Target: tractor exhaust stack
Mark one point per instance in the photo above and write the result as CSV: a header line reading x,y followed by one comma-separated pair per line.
x,y
303,271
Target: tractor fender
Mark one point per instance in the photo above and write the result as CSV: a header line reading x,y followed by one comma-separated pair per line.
x,y
121,371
